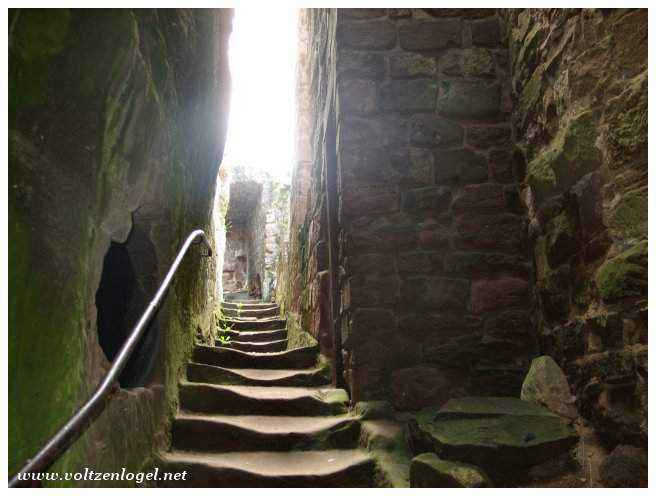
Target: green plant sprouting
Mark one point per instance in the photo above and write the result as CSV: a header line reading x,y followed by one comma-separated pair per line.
x,y
223,330
223,338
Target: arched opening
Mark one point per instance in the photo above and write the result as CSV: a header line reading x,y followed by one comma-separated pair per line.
x,y
128,281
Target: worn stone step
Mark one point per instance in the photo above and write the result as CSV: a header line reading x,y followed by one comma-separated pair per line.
x,y
198,372
257,336
260,432
299,358
265,324
239,295
258,347
260,400
251,312
329,468
231,305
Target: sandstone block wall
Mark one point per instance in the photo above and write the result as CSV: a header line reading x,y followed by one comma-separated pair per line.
x,y
579,80
116,118
436,274
302,288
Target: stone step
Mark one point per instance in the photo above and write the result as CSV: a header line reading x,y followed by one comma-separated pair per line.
x,y
258,347
231,305
239,295
259,400
266,324
251,312
329,468
257,433
299,358
198,372
257,336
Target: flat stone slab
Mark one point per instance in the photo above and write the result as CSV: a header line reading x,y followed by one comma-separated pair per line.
x,y
223,433
497,434
327,468
248,306
198,372
261,400
270,311
253,323
257,347
256,336
478,406
300,358
428,470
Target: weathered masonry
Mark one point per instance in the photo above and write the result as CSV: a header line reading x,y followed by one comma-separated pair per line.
x,y
492,202
256,228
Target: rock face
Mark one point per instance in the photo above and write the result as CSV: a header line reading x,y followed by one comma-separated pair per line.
x,y
626,466
428,470
546,384
584,137
495,433
117,121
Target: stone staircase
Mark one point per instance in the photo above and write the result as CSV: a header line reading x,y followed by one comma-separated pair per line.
x,y
254,414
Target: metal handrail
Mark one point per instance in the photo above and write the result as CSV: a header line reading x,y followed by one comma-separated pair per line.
x,y
84,417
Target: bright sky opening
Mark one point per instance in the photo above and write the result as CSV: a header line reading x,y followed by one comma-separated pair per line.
x,y
263,53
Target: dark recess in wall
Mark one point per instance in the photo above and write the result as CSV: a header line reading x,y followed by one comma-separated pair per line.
x,y
128,281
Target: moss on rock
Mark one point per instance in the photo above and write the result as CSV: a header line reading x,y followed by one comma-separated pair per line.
x,y
40,35
498,434
428,470
624,275
531,93
627,125
35,334
570,155
93,138
628,216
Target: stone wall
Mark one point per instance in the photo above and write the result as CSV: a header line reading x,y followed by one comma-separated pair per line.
x,y
579,80
245,196
273,227
493,201
235,263
435,271
256,220
219,216
302,289
117,121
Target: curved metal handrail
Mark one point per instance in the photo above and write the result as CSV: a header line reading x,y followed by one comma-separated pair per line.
x,y
87,413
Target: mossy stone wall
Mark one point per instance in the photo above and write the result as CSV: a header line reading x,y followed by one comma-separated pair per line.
x,y
579,80
116,117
